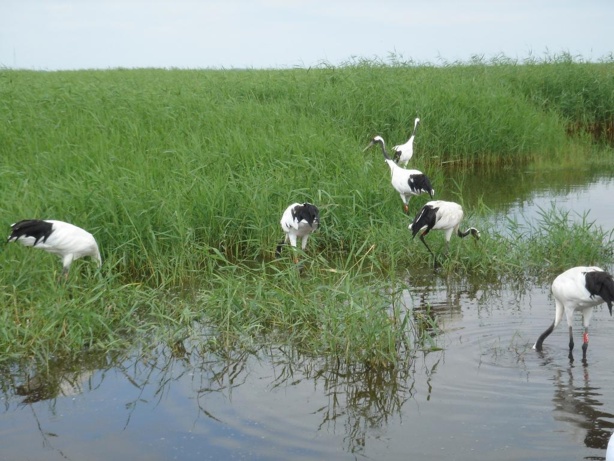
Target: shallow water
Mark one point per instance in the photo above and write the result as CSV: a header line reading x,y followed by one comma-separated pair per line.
x,y
486,395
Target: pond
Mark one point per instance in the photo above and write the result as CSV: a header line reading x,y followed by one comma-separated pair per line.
x,y
484,395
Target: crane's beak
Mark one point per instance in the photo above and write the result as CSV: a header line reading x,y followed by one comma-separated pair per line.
x,y
370,144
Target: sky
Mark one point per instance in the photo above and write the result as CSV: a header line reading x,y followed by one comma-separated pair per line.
x,y
225,34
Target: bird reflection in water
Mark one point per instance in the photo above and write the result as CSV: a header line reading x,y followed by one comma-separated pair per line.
x,y
576,402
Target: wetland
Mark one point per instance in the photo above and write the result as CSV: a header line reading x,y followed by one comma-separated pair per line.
x,y
193,342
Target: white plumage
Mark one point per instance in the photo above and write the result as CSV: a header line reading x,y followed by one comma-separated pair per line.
x,y
609,455
66,240
404,152
406,182
441,215
579,289
299,220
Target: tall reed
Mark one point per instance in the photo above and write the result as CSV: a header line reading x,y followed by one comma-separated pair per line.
x,y
182,176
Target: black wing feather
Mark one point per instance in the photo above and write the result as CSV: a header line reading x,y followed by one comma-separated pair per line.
x,y
36,228
601,283
426,218
307,212
420,183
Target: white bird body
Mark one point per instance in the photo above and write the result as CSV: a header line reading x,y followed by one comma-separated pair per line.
x,y
66,240
579,289
404,152
441,215
406,182
299,220
609,455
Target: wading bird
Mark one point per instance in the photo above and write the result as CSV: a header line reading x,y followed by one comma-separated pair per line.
x,y
299,220
609,454
579,289
404,152
406,182
441,215
67,241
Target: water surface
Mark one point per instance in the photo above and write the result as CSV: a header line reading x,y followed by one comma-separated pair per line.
x,y
485,395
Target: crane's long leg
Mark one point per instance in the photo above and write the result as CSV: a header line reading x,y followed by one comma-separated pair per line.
x,y
570,356
280,246
584,344
304,242
424,241
66,262
405,203
587,313
293,238
435,263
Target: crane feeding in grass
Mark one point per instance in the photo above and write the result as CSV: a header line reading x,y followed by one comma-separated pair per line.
x,y
404,152
299,220
66,240
406,182
441,215
579,289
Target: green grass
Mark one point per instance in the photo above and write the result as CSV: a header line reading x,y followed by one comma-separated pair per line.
x,y
182,176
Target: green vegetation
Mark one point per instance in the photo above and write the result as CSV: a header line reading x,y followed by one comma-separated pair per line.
x,y
182,176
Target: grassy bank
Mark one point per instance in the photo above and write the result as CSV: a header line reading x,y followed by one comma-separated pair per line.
x,y
164,165
182,176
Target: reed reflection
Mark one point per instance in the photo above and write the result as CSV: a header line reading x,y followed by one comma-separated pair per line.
x,y
359,398
60,377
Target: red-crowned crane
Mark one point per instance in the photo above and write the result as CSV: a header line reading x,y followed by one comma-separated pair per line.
x,y
404,152
406,182
299,220
579,289
441,215
66,240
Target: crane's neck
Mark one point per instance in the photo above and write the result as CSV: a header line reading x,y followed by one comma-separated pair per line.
x,y
383,146
393,166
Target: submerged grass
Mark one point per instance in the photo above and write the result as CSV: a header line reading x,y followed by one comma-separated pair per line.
x,y
182,176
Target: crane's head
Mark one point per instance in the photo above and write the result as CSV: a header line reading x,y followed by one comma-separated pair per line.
x,y
376,140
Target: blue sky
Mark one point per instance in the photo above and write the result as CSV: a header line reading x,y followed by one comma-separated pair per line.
x,y
84,34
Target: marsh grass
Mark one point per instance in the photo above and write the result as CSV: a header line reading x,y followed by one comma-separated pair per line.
x,y
347,313
182,176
